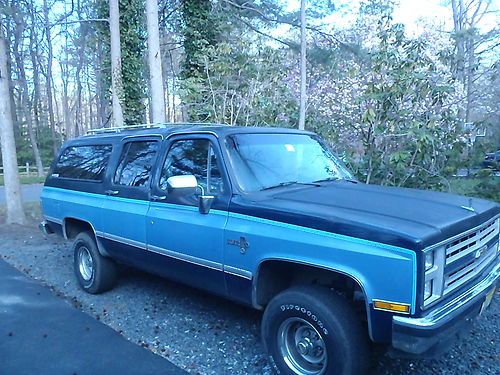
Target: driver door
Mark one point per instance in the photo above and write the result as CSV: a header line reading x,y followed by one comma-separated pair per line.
x,y
190,243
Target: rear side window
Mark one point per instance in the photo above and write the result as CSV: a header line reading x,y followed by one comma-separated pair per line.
x,y
83,162
136,163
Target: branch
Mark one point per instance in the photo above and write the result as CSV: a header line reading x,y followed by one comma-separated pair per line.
x,y
294,24
172,11
266,35
80,21
64,16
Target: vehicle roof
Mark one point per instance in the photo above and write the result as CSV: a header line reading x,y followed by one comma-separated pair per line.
x,y
183,128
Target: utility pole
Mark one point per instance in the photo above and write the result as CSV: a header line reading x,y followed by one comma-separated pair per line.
x,y
303,66
116,62
154,57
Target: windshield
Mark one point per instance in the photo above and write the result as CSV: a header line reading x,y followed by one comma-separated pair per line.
x,y
263,161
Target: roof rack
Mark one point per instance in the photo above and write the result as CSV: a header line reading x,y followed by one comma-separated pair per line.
x,y
118,129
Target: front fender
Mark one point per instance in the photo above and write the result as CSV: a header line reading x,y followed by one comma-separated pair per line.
x,y
384,272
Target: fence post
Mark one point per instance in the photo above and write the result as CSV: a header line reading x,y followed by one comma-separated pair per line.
x,y
27,169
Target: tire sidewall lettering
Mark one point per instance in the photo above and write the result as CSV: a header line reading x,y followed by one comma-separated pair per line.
x,y
308,314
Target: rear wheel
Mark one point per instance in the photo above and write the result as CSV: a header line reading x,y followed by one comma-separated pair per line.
x,y
313,331
95,273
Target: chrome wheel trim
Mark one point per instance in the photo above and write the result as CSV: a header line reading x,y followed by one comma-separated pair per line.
x,y
302,347
85,263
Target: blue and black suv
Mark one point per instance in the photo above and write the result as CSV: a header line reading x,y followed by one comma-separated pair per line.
x,y
272,219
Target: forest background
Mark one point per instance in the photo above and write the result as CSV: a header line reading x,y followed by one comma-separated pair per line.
x,y
403,104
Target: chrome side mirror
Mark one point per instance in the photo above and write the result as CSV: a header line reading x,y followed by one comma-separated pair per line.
x,y
182,185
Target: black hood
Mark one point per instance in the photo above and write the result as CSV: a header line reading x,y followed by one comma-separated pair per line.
x,y
407,218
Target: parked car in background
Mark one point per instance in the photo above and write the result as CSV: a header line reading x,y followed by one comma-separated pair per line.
x,y
492,161
270,218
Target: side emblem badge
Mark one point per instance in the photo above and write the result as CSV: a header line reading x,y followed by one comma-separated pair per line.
x,y
242,244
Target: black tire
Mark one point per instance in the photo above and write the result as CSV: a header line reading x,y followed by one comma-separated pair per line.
x,y
344,340
102,273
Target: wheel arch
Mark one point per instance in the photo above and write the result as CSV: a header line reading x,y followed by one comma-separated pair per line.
x,y
71,226
264,286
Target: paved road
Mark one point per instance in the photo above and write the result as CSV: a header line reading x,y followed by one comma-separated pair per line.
x,y
42,334
31,193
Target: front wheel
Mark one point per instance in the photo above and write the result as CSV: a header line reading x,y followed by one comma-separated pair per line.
x,y
313,331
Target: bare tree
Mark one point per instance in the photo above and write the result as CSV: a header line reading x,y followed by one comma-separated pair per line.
x,y
34,55
24,94
116,62
466,17
48,82
303,66
15,213
155,68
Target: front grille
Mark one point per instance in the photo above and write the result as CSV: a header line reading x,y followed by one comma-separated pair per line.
x,y
469,254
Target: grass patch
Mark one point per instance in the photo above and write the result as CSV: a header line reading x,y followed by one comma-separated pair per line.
x,y
25,180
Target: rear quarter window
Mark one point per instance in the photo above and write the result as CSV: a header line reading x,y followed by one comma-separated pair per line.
x,y
136,162
83,162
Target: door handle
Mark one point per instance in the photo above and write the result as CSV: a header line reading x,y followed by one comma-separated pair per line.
x,y
111,192
158,198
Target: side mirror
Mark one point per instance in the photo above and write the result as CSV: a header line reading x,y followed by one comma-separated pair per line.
x,y
205,203
182,185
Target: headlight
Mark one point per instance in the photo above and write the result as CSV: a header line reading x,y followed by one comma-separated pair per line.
x,y
428,290
434,274
429,260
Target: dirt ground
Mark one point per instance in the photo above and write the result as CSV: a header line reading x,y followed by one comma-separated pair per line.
x,y
202,333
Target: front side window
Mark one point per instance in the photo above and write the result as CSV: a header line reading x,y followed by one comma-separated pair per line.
x,y
136,162
193,157
263,161
83,162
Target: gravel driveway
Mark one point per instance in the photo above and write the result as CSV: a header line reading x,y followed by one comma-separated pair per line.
x,y
202,333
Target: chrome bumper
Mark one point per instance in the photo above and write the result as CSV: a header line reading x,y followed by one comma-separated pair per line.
x,y
436,316
432,333
45,228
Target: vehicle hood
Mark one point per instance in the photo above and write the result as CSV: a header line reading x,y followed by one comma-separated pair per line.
x,y
401,217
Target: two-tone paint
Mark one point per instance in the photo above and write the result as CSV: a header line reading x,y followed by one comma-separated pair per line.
x,y
371,234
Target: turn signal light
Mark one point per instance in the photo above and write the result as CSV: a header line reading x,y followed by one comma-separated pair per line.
x,y
391,306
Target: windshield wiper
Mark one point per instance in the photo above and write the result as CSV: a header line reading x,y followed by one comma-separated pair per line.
x,y
327,179
349,180
336,179
289,183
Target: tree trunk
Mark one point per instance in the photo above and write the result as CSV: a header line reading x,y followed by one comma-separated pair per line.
x,y
99,89
48,84
116,62
68,127
154,57
470,78
25,95
12,88
82,42
36,73
36,88
26,105
303,66
15,213
91,97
